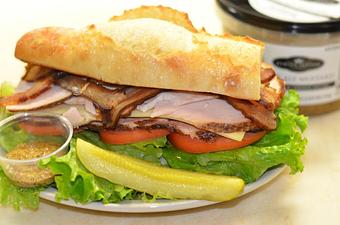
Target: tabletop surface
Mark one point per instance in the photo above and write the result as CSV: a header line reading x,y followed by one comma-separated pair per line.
x,y
312,197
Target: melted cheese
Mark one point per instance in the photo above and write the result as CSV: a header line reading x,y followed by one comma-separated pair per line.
x,y
237,136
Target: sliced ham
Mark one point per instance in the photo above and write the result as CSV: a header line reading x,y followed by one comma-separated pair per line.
x,y
37,88
53,95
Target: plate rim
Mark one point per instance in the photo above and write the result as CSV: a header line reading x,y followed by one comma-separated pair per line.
x,y
137,206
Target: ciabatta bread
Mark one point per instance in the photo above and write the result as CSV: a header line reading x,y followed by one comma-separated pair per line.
x,y
149,52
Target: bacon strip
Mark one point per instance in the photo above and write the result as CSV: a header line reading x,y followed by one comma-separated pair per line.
x,y
262,111
263,117
267,74
272,93
38,88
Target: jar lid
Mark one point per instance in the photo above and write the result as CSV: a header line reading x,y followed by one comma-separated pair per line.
x,y
242,10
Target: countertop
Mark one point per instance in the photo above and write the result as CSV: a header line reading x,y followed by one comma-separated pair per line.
x,y
312,197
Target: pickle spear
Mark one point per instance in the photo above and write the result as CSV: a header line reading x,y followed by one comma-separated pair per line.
x,y
156,180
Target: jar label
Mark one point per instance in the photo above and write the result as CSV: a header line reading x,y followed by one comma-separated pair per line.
x,y
313,71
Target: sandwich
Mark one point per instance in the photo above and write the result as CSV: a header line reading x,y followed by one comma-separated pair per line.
x,y
148,84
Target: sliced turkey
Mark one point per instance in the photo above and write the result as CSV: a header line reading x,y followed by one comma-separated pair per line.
x,y
167,102
53,95
76,114
73,114
89,106
214,115
32,90
156,123
171,125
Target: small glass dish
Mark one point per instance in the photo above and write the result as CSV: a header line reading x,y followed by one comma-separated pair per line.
x,y
25,139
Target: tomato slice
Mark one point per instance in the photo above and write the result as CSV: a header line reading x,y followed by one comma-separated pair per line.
x,y
131,136
194,145
43,130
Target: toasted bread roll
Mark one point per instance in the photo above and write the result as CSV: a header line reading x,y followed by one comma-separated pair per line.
x,y
158,12
149,52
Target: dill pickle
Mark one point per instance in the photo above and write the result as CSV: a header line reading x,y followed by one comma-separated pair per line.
x,y
156,180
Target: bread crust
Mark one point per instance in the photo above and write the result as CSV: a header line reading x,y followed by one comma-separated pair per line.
x,y
149,52
158,12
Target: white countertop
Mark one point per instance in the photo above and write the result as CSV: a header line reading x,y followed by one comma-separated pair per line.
x,y
312,197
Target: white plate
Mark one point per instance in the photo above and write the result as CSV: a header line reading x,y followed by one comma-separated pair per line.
x,y
137,206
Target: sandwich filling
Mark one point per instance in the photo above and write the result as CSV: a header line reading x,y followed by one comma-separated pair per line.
x,y
94,105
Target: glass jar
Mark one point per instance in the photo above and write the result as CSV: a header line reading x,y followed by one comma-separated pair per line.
x,y
305,54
